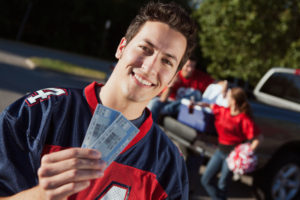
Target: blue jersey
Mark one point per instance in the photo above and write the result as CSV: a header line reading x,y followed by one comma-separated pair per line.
x,y
52,119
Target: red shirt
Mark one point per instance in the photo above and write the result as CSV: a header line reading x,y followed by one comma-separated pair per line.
x,y
233,130
199,81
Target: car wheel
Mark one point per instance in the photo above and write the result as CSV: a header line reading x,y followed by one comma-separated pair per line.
x,y
282,178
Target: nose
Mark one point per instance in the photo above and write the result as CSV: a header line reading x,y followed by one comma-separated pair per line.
x,y
151,65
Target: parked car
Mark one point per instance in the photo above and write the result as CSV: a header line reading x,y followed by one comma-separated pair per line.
x,y
276,110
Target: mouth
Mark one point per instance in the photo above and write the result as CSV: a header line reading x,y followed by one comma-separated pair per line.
x,y
141,80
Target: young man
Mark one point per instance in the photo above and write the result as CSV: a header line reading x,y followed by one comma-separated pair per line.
x,y
41,133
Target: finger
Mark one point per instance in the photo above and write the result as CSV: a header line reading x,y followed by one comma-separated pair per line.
x,y
69,177
51,169
67,190
71,153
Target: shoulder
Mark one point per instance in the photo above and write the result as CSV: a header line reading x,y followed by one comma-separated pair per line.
x,y
48,95
201,73
40,103
204,77
247,120
216,108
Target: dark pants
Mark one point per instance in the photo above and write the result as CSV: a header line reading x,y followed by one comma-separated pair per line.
x,y
157,108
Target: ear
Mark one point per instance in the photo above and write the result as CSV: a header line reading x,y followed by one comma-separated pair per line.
x,y
120,48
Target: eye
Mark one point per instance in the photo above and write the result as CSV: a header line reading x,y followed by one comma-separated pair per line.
x,y
146,49
167,61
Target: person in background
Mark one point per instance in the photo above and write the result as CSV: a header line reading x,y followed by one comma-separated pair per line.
x,y
41,133
234,126
189,83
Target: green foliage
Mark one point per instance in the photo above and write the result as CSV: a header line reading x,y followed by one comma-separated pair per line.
x,y
292,57
244,39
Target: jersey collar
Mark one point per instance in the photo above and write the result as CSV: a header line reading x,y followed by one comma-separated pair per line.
x,y
91,97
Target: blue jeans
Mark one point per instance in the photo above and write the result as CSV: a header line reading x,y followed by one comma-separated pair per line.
x,y
163,108
217,163
170,107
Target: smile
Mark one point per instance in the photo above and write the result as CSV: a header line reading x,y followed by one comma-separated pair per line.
x,y
142,81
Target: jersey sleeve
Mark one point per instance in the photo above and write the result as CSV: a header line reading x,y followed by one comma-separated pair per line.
x,y
22,136
249,128
17,168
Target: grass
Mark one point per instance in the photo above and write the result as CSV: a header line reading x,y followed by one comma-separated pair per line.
x,y
68,68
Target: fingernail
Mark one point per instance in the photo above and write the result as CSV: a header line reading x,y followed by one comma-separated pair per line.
x,y
96,153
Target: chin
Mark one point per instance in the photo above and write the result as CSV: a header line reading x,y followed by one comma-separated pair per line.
x,y
131,94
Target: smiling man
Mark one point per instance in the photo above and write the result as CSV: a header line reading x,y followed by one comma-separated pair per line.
x,y
41,133
146,65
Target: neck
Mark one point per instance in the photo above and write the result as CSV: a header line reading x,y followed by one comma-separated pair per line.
x,y
186,75
130,109
234,111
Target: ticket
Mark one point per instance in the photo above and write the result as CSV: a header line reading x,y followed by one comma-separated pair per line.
x,y
102,118
112,139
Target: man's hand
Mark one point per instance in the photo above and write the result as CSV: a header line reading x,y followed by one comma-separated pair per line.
x,y
67,172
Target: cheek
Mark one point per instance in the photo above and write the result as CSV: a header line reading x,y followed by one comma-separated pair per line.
x,y
166,76
133,58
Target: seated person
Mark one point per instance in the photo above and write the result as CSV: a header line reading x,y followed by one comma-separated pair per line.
x,y
190,83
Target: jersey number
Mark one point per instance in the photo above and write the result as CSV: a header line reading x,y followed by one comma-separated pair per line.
x,y
115,191
44,94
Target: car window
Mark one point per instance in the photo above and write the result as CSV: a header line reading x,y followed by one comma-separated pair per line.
x,y
283,85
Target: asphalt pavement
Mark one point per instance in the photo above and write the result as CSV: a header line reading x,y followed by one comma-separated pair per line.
x,y
17,76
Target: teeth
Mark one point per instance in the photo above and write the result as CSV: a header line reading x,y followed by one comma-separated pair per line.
x,y
142,80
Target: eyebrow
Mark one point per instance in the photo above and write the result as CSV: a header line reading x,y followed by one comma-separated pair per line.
x,y
167,54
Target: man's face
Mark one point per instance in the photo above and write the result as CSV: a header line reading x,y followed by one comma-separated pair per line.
x,y
149,61
188,69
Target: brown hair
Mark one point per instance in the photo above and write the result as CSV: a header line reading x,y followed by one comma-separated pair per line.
x,y
240,98
173,15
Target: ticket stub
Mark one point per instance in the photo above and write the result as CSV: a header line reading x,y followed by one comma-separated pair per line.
x,y
102,118
109,132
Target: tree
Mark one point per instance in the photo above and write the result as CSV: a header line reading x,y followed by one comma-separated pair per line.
x,y
244,39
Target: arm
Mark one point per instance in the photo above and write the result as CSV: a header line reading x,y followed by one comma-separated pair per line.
x,y
256,141
64,173
224,85
252,132
24,175
32,193
204,104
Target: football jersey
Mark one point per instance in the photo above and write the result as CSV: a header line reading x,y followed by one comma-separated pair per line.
x,y
52,119
233,130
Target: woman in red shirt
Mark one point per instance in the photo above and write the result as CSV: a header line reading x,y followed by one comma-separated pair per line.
x,y
234,126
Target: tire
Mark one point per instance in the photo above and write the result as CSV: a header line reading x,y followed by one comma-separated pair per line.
x,y
280,180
